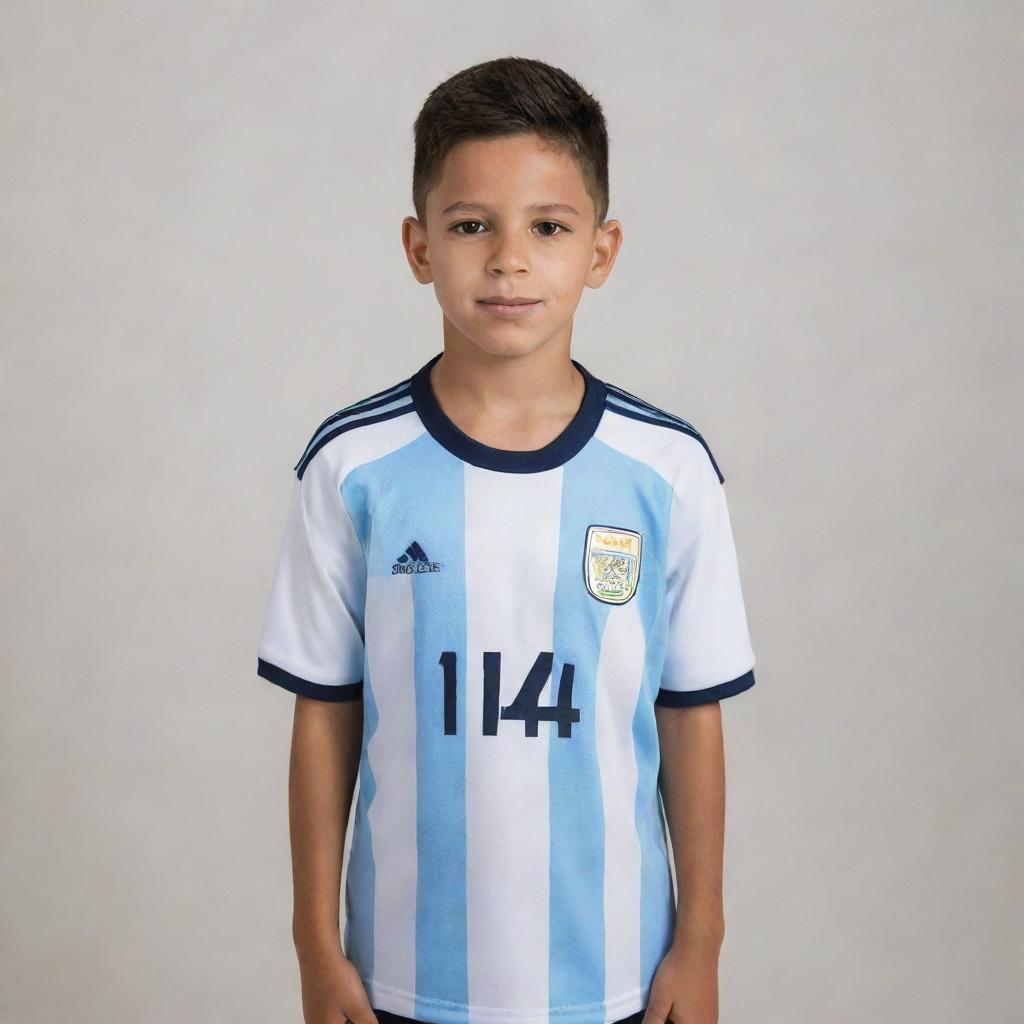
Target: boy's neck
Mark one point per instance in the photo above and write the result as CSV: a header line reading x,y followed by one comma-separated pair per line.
x,y
519,403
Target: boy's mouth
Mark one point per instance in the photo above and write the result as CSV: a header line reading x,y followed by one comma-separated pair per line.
x,y
509,308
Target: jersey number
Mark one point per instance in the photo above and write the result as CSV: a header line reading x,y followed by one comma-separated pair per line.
x,y
525,707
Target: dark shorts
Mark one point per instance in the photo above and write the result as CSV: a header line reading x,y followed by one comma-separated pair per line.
x,y
386,1017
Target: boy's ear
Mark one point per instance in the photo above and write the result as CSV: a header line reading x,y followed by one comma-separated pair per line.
x,y
606,248
414,241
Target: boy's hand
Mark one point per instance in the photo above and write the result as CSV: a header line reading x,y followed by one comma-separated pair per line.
x,y
332,991
685,986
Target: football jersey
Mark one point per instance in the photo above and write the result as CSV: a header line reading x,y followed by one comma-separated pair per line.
x,y
509,620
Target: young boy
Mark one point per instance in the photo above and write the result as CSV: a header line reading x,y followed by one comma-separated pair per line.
x,y
507,597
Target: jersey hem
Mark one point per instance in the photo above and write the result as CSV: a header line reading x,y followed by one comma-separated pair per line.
x,y
687,698
444,1011
296,684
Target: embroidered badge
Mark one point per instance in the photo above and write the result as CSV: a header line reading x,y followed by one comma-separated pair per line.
x,y
611,563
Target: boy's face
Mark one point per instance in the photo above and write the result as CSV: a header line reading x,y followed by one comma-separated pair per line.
x,y
488,235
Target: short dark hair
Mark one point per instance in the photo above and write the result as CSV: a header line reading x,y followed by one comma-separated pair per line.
x,y
511,96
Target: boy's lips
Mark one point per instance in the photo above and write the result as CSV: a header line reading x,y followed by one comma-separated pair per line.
x,y
509,308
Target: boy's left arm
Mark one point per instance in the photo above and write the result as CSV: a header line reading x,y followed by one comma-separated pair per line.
x,y
692,783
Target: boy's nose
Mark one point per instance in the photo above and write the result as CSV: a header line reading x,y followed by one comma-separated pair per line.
x,y
508,254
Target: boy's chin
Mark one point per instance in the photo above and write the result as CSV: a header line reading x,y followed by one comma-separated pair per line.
x,y
504,344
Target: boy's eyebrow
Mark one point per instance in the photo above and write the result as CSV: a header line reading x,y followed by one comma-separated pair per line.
x,y
461,207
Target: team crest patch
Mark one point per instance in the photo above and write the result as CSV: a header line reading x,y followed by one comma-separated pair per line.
x,y
611,563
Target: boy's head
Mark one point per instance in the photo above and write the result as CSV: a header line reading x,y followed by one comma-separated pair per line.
x,y
507,96
510,188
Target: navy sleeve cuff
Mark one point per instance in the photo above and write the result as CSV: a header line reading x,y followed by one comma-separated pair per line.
x,y
303,687
687,698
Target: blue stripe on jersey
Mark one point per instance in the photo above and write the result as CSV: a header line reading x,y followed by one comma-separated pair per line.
x,y
614,404
396,402
602,485
441,953
361,876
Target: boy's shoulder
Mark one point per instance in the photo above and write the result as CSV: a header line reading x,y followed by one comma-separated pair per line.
x,y
655,433
354,422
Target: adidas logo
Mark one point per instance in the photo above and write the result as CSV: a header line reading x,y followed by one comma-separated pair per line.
x,y
414,559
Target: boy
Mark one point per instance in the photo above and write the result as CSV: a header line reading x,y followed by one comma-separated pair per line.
x,y
508,597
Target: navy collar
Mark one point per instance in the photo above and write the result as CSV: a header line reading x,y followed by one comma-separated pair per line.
x,y
576,434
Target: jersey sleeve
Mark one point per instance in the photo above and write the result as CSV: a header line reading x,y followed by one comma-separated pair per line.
x,y
709,654
312,639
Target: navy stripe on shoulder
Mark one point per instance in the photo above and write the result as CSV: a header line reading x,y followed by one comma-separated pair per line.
x,y
661,419
353,416
630,398
391,391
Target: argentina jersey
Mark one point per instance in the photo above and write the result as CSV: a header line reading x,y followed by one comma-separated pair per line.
x,y
509,620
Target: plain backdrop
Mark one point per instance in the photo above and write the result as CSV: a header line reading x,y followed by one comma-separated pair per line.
x,y
822,269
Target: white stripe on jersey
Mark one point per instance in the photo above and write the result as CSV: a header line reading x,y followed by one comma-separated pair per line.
x,y
392,812
507,827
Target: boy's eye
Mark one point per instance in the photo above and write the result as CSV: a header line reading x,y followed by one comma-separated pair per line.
x,y
463,223
545,234
552,224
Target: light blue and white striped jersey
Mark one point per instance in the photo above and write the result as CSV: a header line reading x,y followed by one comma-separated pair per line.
x,y
509,620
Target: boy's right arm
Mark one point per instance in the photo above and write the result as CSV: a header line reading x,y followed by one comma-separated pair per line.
x,y
325,752
311,643
326,740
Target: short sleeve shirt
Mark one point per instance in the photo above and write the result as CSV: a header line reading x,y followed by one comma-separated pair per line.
x,y
509,621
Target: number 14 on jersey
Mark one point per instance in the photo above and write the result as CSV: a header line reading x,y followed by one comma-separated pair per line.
x,y
525,708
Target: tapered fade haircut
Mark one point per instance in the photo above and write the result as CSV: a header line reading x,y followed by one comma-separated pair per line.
x,y
512,96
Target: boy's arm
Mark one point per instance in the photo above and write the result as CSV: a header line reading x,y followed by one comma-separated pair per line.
x,y
325,752
692,783
708,657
